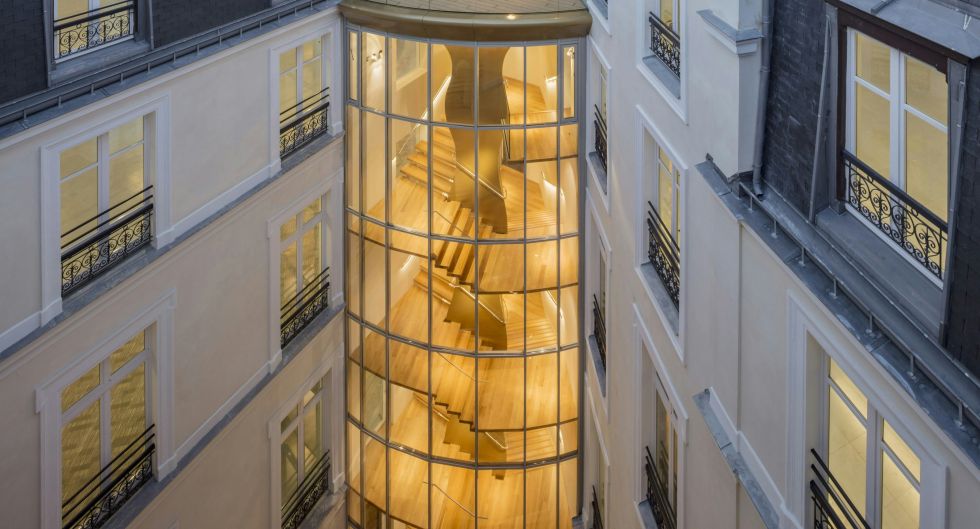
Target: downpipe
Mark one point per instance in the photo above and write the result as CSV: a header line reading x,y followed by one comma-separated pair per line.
x,y
768,10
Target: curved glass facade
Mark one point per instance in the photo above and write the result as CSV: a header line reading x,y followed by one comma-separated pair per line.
x,y
463,219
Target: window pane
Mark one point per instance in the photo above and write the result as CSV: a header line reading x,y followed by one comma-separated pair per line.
x,y
312,82
287,421
79,388
373,80
374,166
857,398
926,89
872,129
567,492
409,82
453,495
542,84
287,229
312,444
409,494
127,351
501,498
80,450
287,273
311,211
409,180
287,94
79,203
126,178
125,135
568,81
847,449
926,168
73,159
352,65
452,65
71,7
353,176
311,50
287,60
899,497
541,506
289,461
312,256
128,409
901,450
872,61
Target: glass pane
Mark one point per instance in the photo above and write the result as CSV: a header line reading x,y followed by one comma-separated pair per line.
x,y
409,416
127,351
453,194
312,429
76,390
901,450
353,176
542,84
452,83
353,476
126,135
872,130
374,402
410,177
666,12
311,50
289,477
128,409
872,61
454,395
410,497
568,81
568,437
408,279
311,211
409,83
542,192
899,497
73,159
80,450
847,449
453,497
374,166
286,423
542,501
126,179
312,255
287,229
665,190
496,107
542,270
499,190
501,398
352,65
312,83
287,95
857,398
353,267
68,8
926,89
568,195
373,76
79,203
501,271
567,492
569,384
374,291
501,498
926,167
287,61
288,280
542,390
374,478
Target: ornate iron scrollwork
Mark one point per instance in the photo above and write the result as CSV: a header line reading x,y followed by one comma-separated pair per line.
x,y
314,486
303,123
84,31
298,312
664,254
665,44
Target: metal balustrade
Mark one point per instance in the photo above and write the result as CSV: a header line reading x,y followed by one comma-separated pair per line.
x,y
106,492
105,240
656,491
665,44
832,508
601,143
310,490
596,511
94,28
302,308
599,328
900,218
664,254
304,122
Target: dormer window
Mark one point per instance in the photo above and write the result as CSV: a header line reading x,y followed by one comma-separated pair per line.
x,y
81,26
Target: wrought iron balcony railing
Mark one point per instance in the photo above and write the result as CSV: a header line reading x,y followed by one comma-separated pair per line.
x,y
86,31
599,328
106,492
105,240
601,144
665,44
299,311
596,510
903,220
301,501
832,508
304,122
664,254
657,496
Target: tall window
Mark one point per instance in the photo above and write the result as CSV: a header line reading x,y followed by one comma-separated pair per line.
x,y
873,464
660,440
303,279
105,439
82,25
664,219
303,102
668,194
304,462
105,201
664,32
897,128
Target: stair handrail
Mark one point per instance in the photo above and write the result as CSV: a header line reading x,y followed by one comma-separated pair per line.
x,y
460,369
458,504
502,193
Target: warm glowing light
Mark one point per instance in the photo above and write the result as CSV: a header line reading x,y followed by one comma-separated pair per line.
x,y
511,17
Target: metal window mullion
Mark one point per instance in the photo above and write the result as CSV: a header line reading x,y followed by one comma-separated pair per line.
x,y
429,264
387,274
873,490
475,103
897,125
105,414
102,157
523,131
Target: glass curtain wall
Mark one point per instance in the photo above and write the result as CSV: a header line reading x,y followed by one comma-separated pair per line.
x,y
462,283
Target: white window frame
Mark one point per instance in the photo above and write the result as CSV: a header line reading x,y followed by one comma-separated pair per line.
x,y
159,370
599,452
156,171
331,69
596,243
645,126
644,345
326,193
329,436
597,63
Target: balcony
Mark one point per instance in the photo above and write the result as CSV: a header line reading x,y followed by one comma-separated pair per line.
x,y
899,218
665,44
299,311
832,508
599,123
107,491
656,491
599,328
664,254
105,240
304,122
301,501
86,31
596,511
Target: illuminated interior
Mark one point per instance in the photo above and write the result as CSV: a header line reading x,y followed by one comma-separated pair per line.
x,y
463,283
